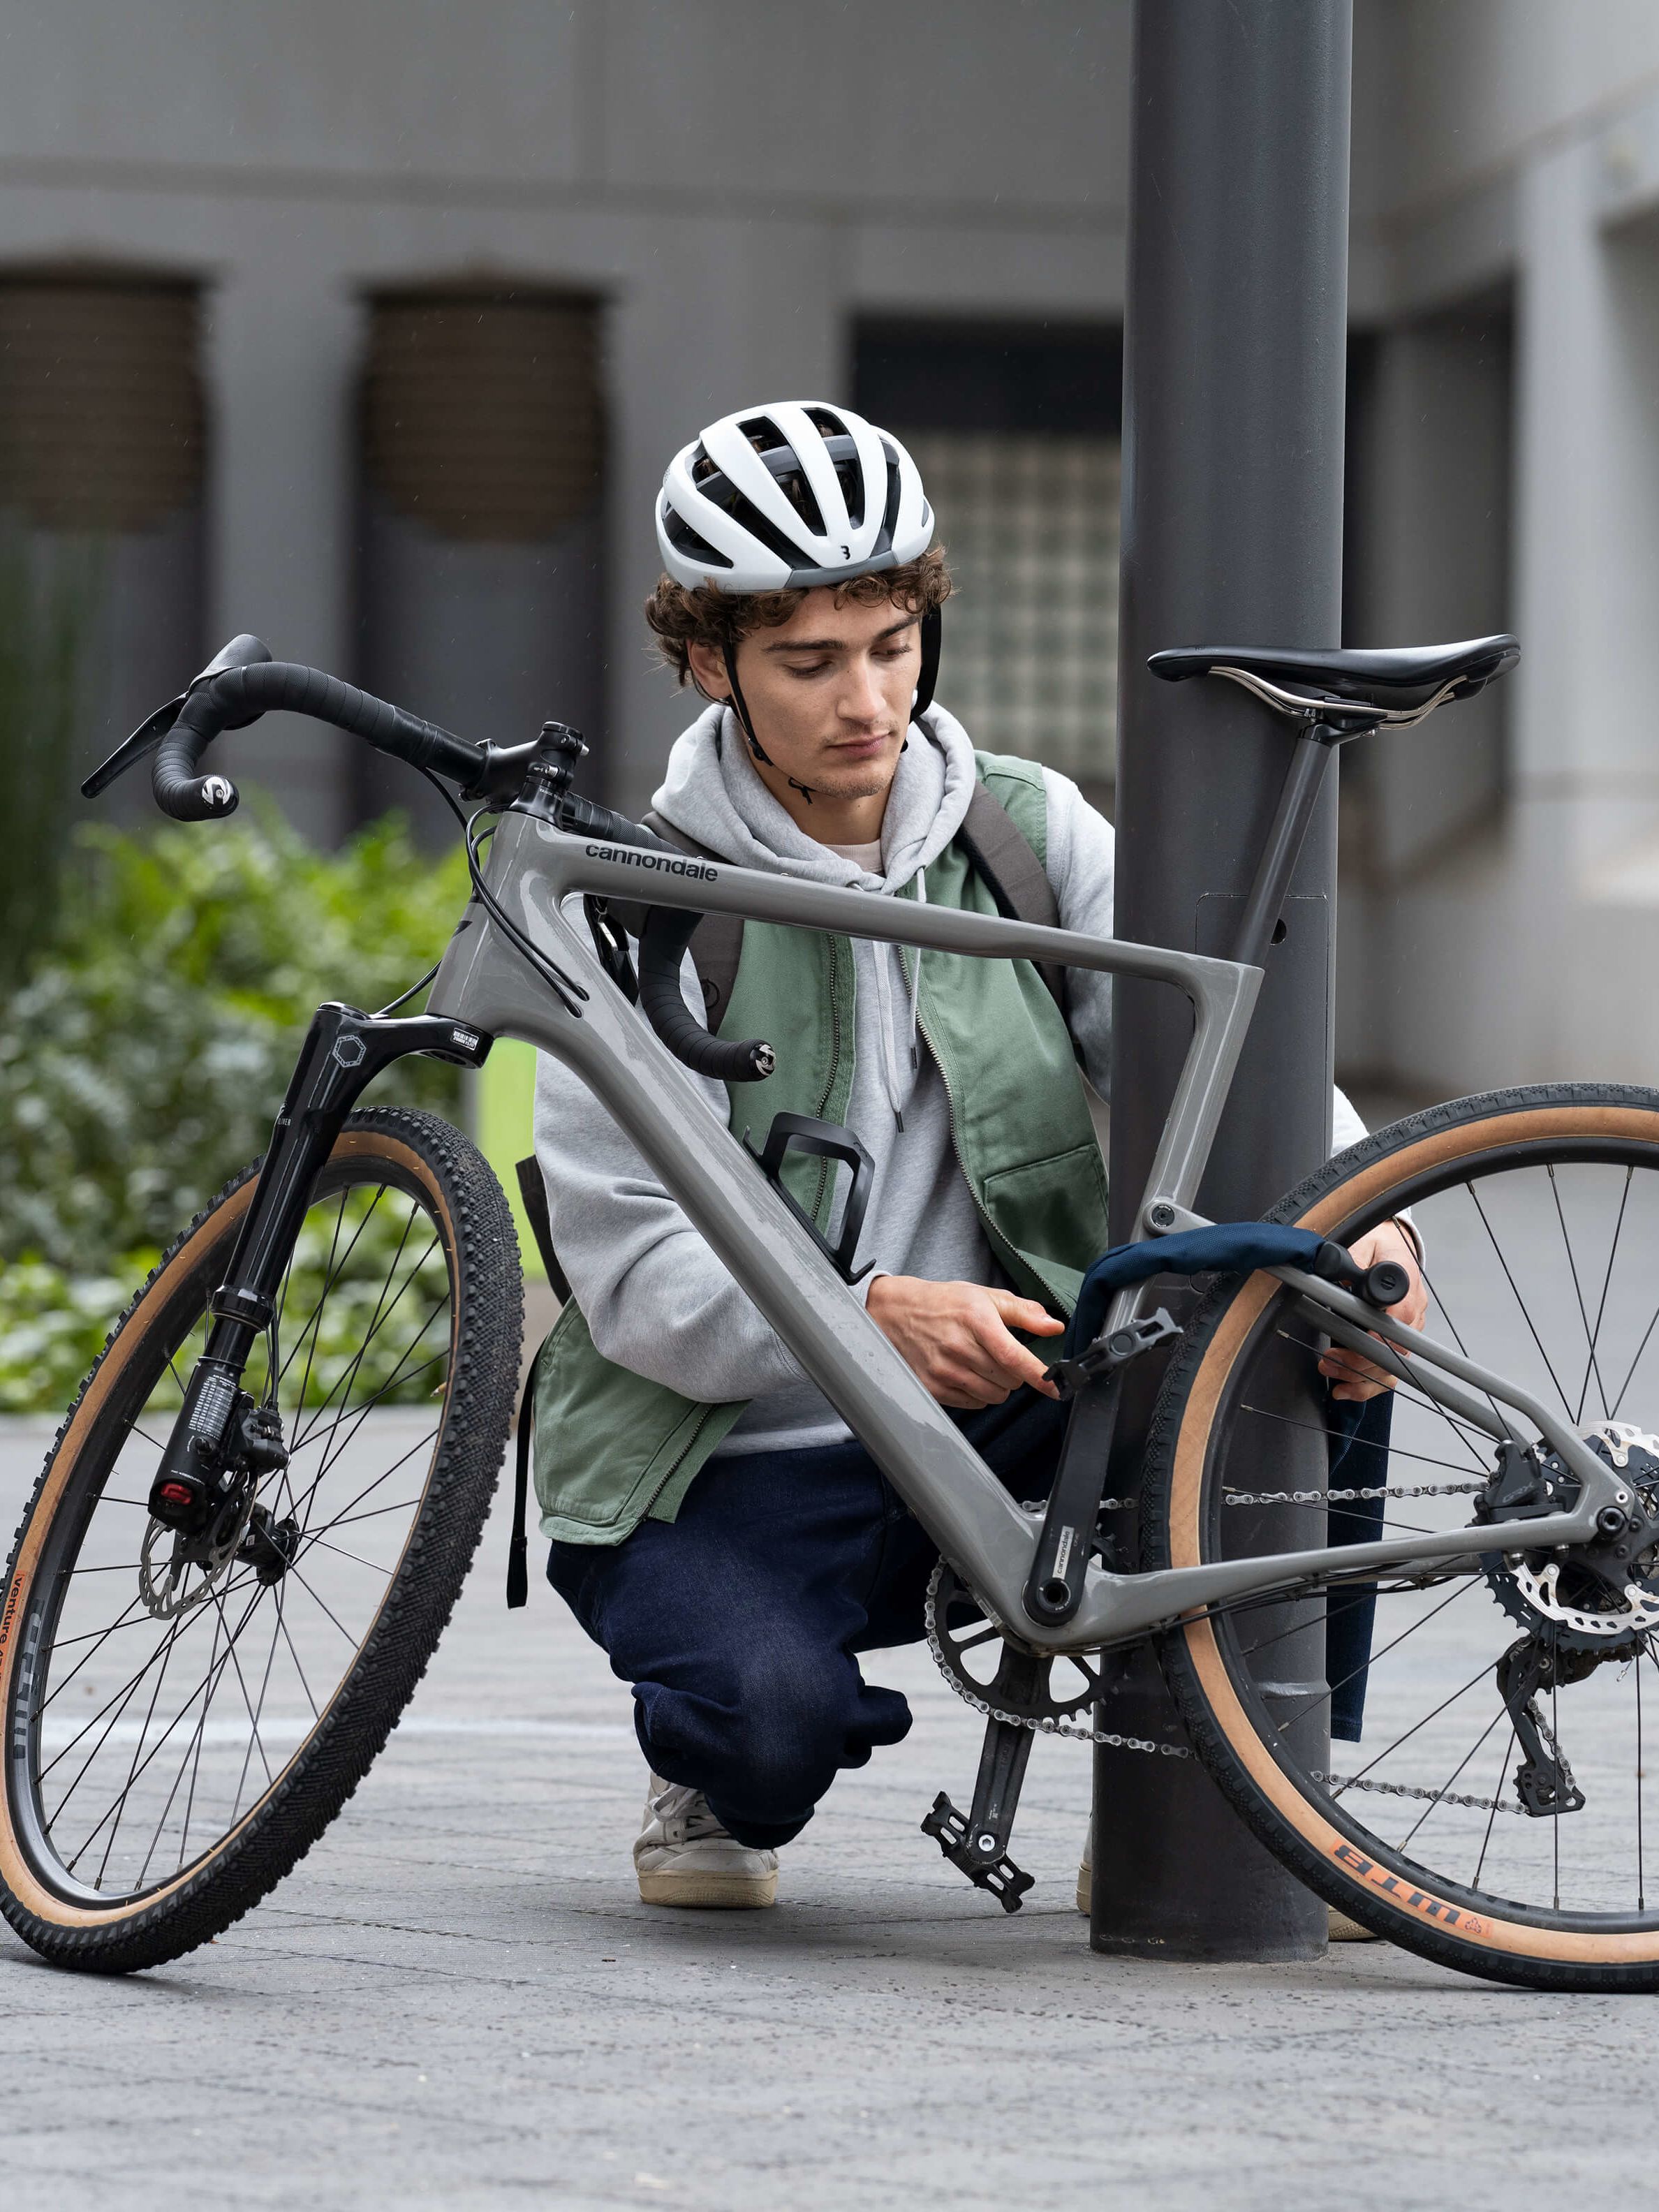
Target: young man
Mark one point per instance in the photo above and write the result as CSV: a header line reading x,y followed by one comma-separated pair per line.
x,y
715,1526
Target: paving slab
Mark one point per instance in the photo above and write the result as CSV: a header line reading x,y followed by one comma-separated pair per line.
x,y
457,2001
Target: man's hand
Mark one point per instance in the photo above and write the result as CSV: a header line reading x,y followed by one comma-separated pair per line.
x,y
1352,1377
956,1336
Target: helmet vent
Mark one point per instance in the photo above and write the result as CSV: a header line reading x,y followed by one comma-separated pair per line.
x,y
685,540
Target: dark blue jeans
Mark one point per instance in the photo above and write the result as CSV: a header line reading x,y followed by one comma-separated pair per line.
x,y
738,1624
1358,1461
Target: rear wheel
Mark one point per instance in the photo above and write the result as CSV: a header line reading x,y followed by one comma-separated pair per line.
x,y
177,1732
1504,1834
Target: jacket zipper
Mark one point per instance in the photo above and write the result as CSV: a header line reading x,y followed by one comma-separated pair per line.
x,y
822,1107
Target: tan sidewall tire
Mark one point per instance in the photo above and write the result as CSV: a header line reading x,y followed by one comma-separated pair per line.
x,y
1291,1824
165,1922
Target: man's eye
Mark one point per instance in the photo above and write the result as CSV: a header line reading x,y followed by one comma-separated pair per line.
x,y
806,667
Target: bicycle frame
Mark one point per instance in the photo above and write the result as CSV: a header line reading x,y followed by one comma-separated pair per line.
x,y
484,983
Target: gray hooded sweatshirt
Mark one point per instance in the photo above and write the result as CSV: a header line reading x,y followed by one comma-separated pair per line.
x,y
654,1297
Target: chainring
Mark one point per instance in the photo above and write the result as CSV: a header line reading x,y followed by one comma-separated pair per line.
x,y
1561,1602
1067,1686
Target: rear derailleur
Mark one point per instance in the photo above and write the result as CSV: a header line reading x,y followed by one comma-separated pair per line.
x,y
1543,1781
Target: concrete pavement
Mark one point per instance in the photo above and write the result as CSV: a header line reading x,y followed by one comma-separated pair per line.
x,y
457,2001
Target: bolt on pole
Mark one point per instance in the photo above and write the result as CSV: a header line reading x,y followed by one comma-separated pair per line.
x,y
1235,354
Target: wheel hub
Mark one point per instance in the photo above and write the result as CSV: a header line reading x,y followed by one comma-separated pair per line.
x,y
1599,1601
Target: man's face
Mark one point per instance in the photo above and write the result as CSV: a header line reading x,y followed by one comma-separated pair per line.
x,y
828,691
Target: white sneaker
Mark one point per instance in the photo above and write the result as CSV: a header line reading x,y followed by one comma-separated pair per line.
x,y
1340,1930
684,1856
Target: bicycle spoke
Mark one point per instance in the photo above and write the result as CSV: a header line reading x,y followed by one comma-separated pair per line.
x,y
1485,1840
396,1467
1456,1334
1389,1750
1396,1451
1433,1805
328,1610
1607,1280
1583,1312
1526,1315
350,1373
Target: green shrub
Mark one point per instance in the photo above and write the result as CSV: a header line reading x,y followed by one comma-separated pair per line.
x,y
144,1058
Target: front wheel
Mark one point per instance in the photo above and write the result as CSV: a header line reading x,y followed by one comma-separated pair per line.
x,y
179,1732
1484,1803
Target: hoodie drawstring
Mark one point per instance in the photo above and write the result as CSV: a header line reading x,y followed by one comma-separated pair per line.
x,y
896,1091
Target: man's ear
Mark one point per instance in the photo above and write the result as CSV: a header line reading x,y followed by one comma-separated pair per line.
x,y
708,672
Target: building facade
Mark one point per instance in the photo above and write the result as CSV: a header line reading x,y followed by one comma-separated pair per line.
x,y
370,329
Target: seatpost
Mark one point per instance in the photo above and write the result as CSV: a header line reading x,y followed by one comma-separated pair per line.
x,y
1304,780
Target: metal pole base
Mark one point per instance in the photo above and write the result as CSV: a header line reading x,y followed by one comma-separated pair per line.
x,y
1177,1875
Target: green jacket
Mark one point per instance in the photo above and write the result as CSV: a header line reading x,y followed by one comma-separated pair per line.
x,y
611,1446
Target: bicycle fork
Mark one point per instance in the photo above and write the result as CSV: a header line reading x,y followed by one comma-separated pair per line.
x,y
221,1443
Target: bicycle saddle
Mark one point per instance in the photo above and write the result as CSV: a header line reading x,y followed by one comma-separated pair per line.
x,y
1399,677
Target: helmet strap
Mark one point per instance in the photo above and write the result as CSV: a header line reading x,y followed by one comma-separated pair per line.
x,y
740,708
932,628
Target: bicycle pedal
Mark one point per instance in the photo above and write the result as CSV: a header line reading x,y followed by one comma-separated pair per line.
x,y
1007,1883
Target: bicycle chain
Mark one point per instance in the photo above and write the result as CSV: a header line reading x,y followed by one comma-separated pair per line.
x,y
1116,1742
1037,1727
1348,1497
1339,1783
1321,1497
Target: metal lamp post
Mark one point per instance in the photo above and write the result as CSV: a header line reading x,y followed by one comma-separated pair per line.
x,y
1235,336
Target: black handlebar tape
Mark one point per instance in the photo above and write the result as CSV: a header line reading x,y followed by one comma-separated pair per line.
x,y
667,932
240,696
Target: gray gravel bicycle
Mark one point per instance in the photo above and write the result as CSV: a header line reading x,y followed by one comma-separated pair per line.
x,y
254,1522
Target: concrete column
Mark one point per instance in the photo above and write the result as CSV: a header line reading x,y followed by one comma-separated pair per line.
x,y
281,355
1528,952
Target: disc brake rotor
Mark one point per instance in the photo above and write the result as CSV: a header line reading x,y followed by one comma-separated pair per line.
x,y
164,1576
1562,1603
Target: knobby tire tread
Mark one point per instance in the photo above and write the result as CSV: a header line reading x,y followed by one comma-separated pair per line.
x,y
325,1772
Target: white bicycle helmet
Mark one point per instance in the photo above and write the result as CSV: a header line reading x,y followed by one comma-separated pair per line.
x,y
790,495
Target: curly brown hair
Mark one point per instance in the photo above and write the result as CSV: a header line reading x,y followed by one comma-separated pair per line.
x,y
681,615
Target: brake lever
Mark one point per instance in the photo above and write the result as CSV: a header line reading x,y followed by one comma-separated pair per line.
x,y
128,754
244,651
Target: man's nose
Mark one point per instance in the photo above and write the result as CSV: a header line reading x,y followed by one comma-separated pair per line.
x,y
863,701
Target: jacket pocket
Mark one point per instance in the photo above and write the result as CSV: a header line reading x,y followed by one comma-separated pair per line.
x,y
1046,1207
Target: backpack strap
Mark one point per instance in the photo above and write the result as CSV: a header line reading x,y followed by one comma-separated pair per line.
x,y
1016,878
997,847
533,1191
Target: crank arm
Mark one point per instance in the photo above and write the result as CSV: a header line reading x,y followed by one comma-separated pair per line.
x,y
979,1844
1053,1589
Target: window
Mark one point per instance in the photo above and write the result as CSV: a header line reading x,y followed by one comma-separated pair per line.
x,y
1016,431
